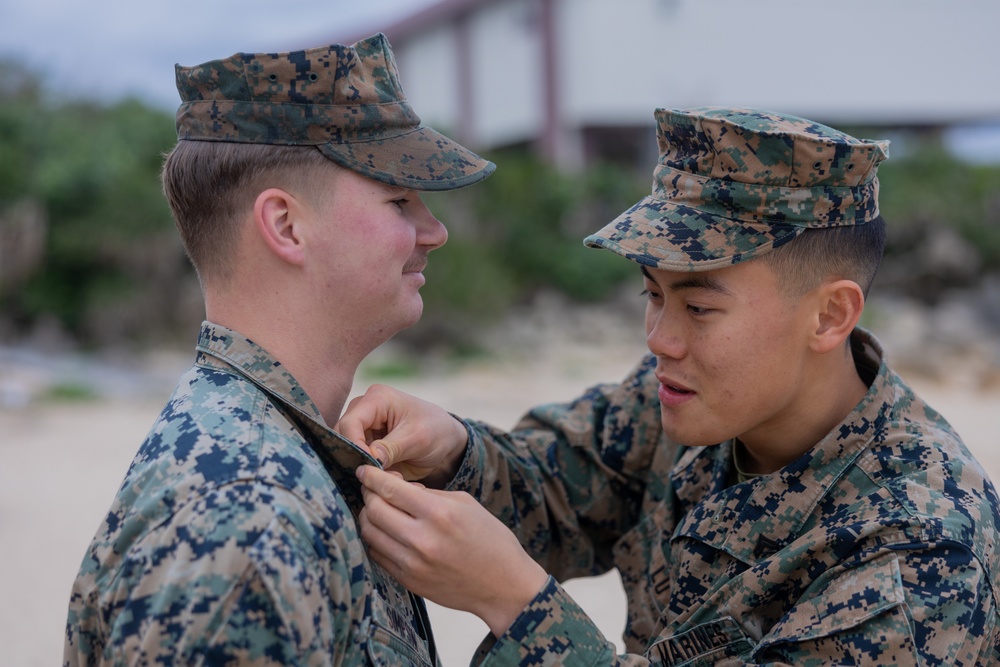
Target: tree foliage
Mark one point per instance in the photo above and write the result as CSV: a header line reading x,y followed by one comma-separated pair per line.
x,y
87,243
520,232
108,237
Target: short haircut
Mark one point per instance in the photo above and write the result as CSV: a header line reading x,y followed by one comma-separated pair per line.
x,y
851,252
211,188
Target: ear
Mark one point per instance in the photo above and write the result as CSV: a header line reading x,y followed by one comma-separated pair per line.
x,y
276,220
839,309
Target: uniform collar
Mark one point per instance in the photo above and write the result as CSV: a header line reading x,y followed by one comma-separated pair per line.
x,y
219,345
757,518
257,365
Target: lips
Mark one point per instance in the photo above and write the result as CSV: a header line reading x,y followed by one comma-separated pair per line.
x,y
673,385
673,393
415,267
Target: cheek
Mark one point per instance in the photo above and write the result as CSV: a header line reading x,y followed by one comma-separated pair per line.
x,y
735,356
723,358
754,360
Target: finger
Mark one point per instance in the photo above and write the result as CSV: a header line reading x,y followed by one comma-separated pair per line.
x,y
391,488
392,545
397,446
366,493
382,547
363,417
397,565
385,525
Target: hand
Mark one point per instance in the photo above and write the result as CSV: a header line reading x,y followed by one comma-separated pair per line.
x,y
413,437
445,546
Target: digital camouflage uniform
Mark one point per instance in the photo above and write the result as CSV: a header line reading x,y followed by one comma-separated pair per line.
x,y
876,547
233,539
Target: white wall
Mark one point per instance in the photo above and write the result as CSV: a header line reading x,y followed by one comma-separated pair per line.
x,y
506,55
608,60
849,61
428,72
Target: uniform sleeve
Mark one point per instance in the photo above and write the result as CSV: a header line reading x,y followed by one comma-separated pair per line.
x,y
236,578
569,479
552,630
926,606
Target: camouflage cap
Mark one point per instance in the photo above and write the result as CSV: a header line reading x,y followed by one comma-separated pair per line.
x,y
733,184
345,100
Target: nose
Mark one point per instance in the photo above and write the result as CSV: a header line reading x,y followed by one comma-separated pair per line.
x,y
663,335
431,232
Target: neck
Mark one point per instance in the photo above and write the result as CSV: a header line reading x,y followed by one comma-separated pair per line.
x,y
817,410
328,387
323,365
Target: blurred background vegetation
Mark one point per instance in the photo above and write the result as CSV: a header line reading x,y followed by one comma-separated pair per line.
x,y
89,256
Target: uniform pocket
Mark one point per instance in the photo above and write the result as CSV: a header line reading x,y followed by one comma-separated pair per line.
x,y
844,599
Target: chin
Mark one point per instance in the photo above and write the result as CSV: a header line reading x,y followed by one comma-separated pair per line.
x,y
688,439
412,315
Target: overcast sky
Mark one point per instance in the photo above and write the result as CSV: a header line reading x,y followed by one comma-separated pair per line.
x,y
120,47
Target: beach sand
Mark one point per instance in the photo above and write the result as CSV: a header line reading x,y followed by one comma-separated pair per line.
x,y
61,462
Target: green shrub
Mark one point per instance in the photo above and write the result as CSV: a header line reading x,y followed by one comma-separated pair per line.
x,y
95,172
111,248
521,231
929,187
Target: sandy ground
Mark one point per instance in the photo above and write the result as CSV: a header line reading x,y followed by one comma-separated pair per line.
x,y
61,462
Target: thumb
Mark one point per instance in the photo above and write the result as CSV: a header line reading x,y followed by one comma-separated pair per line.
x,y
385,451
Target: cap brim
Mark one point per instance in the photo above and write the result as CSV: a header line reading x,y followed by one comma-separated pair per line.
x,y
422,159
672,237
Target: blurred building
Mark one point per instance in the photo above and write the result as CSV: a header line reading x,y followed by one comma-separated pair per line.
x,y
579,79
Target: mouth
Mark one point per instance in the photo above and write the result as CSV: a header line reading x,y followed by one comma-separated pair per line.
x,y
674,386
673,393
415,265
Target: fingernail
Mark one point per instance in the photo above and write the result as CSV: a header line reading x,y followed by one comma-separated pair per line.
x,y
360,472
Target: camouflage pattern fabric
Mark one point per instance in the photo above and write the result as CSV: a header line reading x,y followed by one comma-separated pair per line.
x,y
732,184
233,537
345,100
876,547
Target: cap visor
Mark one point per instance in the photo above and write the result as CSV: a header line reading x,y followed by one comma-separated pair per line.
x,y
423,159
664,235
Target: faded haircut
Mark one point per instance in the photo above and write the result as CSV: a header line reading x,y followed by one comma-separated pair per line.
x,y
851,252
211,188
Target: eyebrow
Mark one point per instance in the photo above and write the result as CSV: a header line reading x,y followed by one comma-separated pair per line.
x,y
391,190
694,281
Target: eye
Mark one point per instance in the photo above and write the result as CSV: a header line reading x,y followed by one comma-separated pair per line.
x,y
698,310
652,295
401,202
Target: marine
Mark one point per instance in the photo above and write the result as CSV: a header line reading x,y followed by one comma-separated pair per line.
x,y
295,186
769,489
